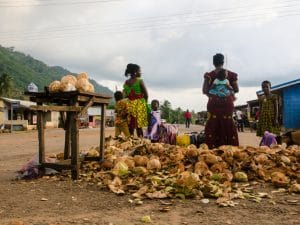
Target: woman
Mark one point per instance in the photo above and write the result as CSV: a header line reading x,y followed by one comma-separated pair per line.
x,y
220,128
268,115
135,90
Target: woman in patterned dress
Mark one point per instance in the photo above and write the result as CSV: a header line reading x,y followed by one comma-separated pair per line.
x,y
220,128
135,90
268,111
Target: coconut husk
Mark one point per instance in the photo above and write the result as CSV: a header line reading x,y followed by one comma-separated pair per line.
x,y
201,168
153,164
140,160
279,179
295,188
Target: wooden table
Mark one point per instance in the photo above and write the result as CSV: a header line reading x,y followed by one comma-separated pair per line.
x,y
71,106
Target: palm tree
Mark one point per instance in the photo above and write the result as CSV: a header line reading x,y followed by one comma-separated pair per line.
x,y
6,85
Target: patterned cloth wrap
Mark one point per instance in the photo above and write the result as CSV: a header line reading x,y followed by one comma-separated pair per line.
x,y
168,133
137,105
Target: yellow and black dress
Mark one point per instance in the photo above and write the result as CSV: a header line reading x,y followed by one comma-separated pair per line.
x,y
137,105
267,114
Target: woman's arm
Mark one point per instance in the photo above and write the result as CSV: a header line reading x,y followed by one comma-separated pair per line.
x,y
235,86
144,90
205,87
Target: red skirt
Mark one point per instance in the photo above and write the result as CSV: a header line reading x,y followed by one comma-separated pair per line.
x,y
220,128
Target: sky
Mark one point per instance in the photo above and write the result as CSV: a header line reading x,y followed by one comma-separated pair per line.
x,y
172,40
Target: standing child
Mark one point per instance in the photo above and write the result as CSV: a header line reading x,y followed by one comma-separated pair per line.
x,y
268,114
154,121
121,109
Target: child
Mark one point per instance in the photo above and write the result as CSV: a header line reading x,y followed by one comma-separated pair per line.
x,y
268,139
221,86
121,110
268,111
154,121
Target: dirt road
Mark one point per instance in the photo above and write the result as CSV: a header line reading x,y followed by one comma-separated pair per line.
x,y
49,201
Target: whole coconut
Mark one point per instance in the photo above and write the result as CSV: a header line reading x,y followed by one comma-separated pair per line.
x,y
69,79
82,75
54,86
83,85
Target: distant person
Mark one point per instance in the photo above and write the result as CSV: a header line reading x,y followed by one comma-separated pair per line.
x,y
135,90
268,111
221,86
240,120
154,122
121,110
188,117
220,128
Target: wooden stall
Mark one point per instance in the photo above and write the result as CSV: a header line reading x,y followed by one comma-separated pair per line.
x,y
71,106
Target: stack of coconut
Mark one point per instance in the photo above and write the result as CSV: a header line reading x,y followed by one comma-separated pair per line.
x,y
72,83
156,170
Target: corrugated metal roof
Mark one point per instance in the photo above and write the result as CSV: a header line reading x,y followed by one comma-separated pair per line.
x,y
281,86
23,103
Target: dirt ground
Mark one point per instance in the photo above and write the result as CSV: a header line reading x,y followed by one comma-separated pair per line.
x,y
48,201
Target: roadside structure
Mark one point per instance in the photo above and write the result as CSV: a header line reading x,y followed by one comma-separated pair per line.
x,y
289,103
16,114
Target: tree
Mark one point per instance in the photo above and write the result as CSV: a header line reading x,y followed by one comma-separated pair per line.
x,y
166,109
6,85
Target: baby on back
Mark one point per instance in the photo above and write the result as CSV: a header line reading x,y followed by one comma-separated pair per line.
x,y
221,86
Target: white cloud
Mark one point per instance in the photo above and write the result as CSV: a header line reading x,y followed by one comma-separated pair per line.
x,y
259,38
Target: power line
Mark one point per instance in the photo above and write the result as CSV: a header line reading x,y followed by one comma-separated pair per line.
x,y
198,23
146,21
59,3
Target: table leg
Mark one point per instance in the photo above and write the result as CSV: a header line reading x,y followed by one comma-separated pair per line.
x,y
74,146
102,133
67,149
41,136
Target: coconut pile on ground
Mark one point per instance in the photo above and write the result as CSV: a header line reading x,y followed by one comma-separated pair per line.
x,y
72,83
155,170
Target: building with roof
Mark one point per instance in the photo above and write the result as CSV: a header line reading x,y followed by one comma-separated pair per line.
x,y
94,114
16,113
289,103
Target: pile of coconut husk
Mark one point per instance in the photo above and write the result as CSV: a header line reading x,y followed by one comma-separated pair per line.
x,y
156,170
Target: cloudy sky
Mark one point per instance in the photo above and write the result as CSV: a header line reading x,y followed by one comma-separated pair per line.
x,y
172,40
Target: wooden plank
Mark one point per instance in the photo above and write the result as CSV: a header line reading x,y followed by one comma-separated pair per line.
x,y
102,132
89,104
55,108
57,166
91,158
67,94
41,136
96,100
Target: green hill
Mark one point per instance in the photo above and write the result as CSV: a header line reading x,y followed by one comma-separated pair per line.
x,y
25,69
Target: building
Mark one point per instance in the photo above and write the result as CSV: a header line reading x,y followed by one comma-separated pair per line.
x,y
17,113
289,103
94,114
